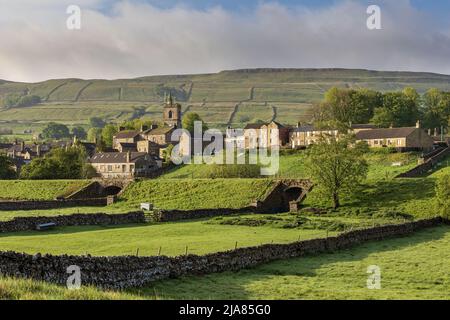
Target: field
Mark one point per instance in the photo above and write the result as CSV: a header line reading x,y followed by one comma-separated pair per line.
x,y
38,189
228,97
185,194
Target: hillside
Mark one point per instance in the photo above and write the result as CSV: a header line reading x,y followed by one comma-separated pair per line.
x,y
228,97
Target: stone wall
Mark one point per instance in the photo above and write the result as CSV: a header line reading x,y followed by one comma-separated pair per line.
x,y
132,271
29,223
176,215
51,204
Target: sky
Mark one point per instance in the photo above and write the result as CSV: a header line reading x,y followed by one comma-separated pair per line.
x,y
133,38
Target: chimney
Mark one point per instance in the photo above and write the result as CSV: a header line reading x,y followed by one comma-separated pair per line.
x,y
22,146
418,124
144,128
128,156
299,124
38,150
391,126
429,132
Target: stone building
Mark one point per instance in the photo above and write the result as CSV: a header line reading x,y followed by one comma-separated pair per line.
x,y
404,139
306,135
265,135
172,113
124,164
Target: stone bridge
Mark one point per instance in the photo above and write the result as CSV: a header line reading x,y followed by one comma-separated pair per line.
x,y
100,188
286,195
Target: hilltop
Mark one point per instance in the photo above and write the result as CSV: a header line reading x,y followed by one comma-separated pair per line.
x,y
227,97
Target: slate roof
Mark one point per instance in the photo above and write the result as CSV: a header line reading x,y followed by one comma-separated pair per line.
x,y
386,133
158,131
127,134
116,157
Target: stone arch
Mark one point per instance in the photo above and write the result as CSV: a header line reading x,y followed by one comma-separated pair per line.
x,y
112,190
293,193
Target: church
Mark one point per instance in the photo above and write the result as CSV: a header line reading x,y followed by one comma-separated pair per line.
x,y
139,152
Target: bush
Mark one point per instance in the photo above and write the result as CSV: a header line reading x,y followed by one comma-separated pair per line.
x,y
443,195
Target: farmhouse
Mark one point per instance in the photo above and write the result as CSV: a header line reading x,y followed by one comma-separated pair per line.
x,y
263,135
404,139
124,164
305,135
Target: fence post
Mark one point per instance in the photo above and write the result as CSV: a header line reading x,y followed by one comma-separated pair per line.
x,y
159,251
235,245
137,252
186,252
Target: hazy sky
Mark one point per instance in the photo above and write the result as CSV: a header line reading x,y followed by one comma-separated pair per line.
x,y
124,39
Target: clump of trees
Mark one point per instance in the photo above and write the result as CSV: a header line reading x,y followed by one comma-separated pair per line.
x,y
6,168
189,119
55,131
59,163
337,167
342,107
443,195
15,100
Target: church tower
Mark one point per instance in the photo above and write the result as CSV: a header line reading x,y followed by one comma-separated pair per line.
x,y
172,112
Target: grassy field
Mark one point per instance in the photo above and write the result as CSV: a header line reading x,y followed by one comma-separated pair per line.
x,y
187,194
414,267
213,96
200,236
38,189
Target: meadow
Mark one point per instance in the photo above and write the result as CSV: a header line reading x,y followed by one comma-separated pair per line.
x,y
38,189
413,267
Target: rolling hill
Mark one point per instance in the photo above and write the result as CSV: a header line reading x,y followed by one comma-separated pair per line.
x,y
228,97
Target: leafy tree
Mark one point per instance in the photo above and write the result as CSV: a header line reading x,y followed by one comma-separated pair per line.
x,y
383,117
443,195
94,134
56,131
11,100
96,122
28,101
108,133
337,166
6,168
436,109
189,119
137,124
57,164
79,132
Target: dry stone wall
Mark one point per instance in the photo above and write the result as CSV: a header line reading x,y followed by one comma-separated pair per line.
x,y
132,271
51,204
30,223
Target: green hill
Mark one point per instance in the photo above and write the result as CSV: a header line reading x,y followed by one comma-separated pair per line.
x,y
228,97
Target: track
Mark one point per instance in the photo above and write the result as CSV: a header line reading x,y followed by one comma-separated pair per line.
x,y
77,97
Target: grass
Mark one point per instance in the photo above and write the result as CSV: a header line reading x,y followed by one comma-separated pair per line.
x,y
38,189
200,237
185,194
413,267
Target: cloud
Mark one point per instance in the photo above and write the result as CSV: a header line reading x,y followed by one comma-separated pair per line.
x,y
134,39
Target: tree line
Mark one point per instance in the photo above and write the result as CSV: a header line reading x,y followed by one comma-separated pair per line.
x,y
342,107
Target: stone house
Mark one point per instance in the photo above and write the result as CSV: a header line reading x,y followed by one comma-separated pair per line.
x,y
265,135
306,135
124,164
404,139
124,139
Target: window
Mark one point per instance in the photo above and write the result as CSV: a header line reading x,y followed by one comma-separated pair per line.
x,y
109,168
170,114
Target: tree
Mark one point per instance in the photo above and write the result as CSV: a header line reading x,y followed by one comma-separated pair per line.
x,y
436,109
79,132
189,119
383,118
443,195
108,133
94,134
96,122
56,131
58,164
28,101
336,166
6,168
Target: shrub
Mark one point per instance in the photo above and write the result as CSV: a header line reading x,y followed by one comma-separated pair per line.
x,y
443,195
